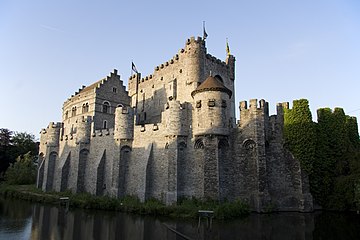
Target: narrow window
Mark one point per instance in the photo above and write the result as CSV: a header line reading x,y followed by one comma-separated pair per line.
x,y
199,144
66,114
73,111
105,124
211,103
198,104
106,107
114,89
85,108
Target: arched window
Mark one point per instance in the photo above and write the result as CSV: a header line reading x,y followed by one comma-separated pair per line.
x,y
106,107
119,105
85,108
104,124
199,144
73,111
249,144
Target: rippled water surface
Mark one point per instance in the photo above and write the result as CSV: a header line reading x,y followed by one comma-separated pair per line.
x,y
24,220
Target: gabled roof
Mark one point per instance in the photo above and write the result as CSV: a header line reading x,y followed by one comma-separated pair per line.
x,y
211,84
91,87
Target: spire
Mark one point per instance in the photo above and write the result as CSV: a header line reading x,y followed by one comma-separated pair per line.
x,y
204,32
227,48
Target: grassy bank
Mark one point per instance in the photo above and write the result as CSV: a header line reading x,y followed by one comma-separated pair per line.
x,y
186,208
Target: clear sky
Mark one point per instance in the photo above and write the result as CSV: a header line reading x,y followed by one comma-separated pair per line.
x,y
285,49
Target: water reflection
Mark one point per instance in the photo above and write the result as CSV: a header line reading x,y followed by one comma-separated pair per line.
x,y
15,219
21,220
55,223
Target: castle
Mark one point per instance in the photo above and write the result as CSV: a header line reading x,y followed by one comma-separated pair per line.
x,y
173,134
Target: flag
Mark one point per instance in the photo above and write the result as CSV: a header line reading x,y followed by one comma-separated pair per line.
x,y
204,33
133,68
227,48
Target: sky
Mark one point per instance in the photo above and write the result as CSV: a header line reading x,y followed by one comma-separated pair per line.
x,y
284,49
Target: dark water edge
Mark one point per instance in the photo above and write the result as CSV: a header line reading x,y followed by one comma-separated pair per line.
x,y
25,220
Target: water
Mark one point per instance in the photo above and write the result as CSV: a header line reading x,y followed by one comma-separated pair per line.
x,y
24,220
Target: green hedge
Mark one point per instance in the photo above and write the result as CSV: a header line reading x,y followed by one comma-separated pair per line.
x,y
186,208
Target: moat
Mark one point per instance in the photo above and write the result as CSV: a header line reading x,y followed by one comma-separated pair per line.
x,y
25,220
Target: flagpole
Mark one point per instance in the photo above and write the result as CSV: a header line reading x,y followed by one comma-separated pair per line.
x,y
131,71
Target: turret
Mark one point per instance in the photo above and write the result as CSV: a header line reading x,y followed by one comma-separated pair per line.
x,y
83,130
211,108
174,117
255,111
124,123
195,52
53,134
230,61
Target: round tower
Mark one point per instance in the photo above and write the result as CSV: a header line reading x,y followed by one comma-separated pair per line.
x,y
124,123
83,130
173,118
53,134
211,108
194,60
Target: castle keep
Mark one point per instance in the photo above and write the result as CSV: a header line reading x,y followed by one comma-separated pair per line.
x,y
173,134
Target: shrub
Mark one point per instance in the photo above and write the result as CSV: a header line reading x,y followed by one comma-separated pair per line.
x,y
23,171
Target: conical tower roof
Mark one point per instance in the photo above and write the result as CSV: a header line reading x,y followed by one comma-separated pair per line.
x,y
211,84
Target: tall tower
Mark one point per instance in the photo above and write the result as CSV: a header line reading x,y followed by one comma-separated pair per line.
x,y
211,125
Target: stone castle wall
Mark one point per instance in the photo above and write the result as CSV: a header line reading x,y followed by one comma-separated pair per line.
x,y
167,139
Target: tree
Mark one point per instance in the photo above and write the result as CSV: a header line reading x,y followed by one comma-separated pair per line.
x,y
14,145
5,149
24,142
5,137
23,171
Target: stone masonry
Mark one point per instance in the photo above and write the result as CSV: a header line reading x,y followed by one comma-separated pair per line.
x,y
173,134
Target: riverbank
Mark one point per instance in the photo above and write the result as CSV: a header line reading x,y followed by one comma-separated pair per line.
x,y
186,208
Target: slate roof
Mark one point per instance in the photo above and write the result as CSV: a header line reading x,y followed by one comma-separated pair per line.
x,y
211,84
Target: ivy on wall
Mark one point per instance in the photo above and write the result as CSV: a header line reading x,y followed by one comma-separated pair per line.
x,y
329,151
300,133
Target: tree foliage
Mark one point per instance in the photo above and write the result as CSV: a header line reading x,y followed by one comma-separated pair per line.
x,y
13,145
23,171
329,151
5,149
300,133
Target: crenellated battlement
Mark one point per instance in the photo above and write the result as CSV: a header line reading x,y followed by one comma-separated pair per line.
x,y
103,132
51,135
216,60
280,107
54,125
190,46
254,105
192,40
